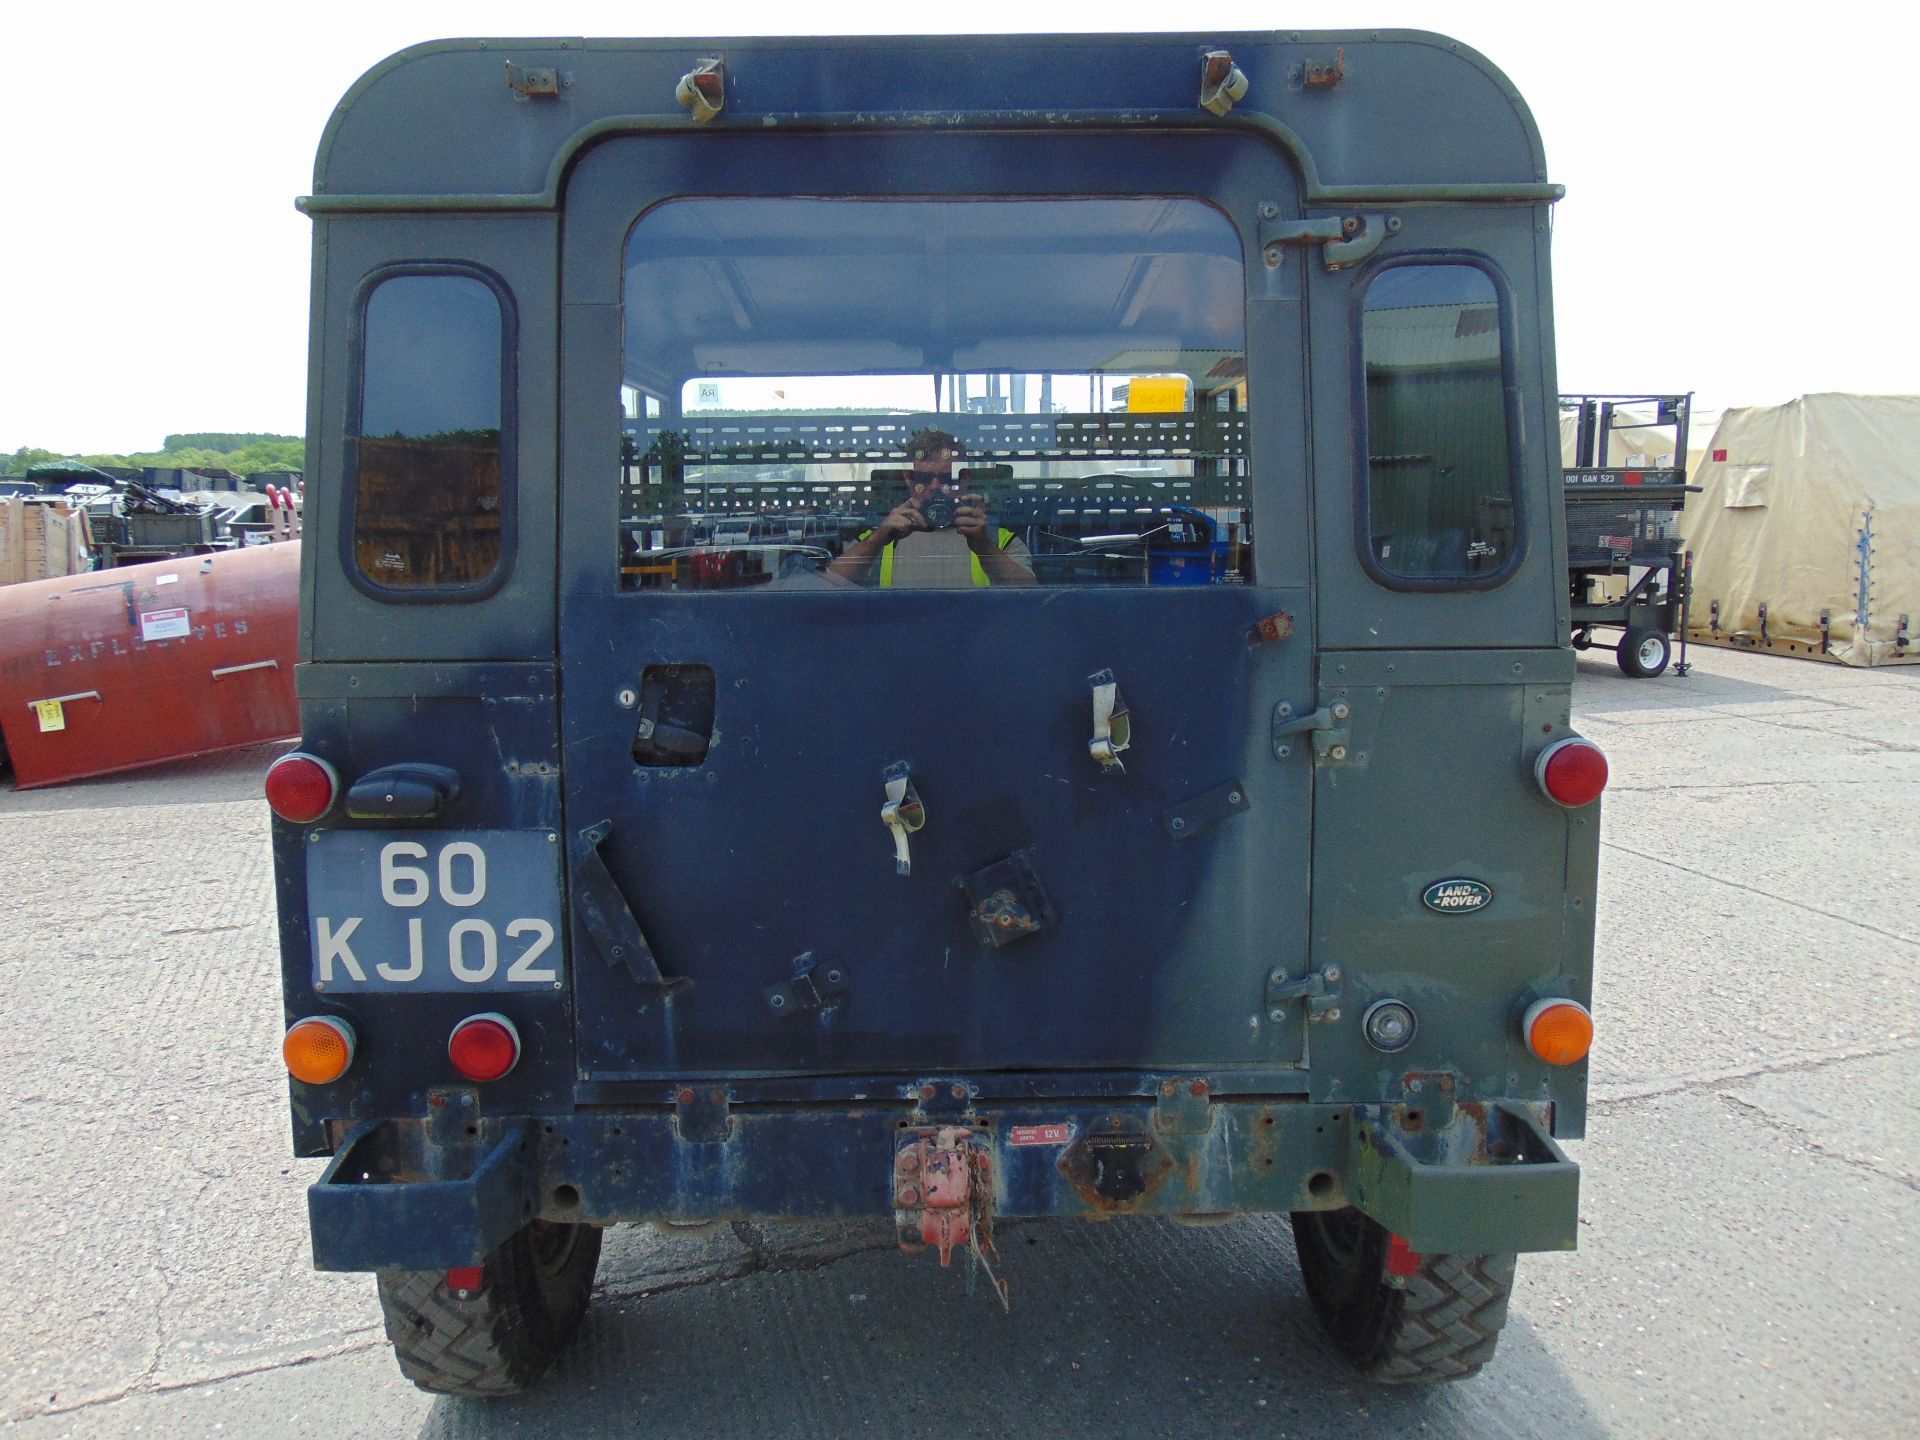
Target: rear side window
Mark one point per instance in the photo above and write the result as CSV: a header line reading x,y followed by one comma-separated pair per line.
x,y
1439,493
429,468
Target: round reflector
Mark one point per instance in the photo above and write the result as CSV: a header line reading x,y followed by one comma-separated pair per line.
x,y
1389,1025
318,1049
301,787
1572,772
1559,1032
484,1047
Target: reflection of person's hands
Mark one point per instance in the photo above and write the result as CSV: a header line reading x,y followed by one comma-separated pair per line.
x,y
970,519
903,519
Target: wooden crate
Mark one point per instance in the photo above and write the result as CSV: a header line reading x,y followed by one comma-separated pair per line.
x,y
39,540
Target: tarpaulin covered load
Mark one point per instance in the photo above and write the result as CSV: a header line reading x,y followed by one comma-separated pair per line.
x,y
1811,509
120,668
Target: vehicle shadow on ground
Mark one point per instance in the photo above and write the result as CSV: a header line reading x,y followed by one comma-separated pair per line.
x,y
229,775
1602,688
1134,1327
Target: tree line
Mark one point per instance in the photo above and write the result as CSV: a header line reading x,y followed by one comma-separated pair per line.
x,y
243,453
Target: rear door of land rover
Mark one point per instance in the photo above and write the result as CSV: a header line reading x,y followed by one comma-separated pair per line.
x,y
744,373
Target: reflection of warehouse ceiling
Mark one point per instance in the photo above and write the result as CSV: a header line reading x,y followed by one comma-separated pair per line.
x,y
1215,365
814,287
1433,337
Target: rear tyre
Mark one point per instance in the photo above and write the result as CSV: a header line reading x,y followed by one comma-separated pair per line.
x,y
1439,1323
1643,653
503,1337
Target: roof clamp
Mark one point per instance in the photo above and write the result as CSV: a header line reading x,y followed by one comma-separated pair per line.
x,y
540,82
703,89
1112,724
1222,83
1319,75
903,814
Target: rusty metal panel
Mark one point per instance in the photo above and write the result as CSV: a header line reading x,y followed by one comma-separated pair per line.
x,y
121,668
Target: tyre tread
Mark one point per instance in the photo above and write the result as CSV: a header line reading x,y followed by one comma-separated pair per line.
x,y
497,1341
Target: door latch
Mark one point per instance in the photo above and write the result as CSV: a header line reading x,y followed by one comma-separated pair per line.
x,y
1327,726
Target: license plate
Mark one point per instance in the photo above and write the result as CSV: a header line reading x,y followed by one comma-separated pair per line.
x,y
434,910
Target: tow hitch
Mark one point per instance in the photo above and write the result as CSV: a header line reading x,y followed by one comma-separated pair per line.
x,y
943,1197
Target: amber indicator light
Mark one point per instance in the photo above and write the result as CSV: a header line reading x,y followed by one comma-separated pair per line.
x,y
1559,1032
318,1049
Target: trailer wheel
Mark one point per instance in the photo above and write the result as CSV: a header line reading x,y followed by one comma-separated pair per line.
x,y
1644,653
1583,639
501,1338
1439,1323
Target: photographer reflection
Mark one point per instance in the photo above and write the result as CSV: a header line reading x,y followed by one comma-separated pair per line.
x,y
938,538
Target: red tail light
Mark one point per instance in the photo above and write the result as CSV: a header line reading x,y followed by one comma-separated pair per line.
x,y
484,1047
301,787
1572,772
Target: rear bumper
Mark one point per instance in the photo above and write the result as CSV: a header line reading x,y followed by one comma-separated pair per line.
x,y
1480,1178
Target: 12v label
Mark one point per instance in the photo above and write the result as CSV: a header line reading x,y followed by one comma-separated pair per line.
x,y
1457,896
434,910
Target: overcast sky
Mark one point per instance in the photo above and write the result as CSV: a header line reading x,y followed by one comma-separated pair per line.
x,y
1740,184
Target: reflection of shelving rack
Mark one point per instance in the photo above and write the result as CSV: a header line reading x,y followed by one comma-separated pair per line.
x,y
1621,521
662,462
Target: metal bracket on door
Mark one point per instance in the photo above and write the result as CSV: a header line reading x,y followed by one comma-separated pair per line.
x,y
1344,240
814,986
1327,726
609,920
1319,988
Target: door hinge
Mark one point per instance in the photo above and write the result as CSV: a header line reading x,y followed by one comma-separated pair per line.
x,y
1345,240
1327,726
1319,988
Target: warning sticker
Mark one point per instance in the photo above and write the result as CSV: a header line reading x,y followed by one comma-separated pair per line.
x,y
165,624
51,714
1058,1133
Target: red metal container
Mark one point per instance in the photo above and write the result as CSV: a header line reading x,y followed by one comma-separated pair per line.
x,y
120,668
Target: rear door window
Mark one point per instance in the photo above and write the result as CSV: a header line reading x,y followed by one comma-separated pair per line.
x,y
934,394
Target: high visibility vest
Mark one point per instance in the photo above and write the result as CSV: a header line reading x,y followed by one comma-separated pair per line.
x,y
980,576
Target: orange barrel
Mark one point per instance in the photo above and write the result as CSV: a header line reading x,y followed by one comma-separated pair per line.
x,y
115,669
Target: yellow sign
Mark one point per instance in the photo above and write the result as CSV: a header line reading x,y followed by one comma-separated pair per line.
x,y
1162,394
53,715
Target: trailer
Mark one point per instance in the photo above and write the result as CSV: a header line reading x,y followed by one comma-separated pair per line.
x,y
1626,568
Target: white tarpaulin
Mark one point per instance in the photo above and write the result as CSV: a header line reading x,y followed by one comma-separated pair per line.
x,y
1808,507
1639,441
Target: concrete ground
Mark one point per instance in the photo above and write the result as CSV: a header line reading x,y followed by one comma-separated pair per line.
x,y
1748,1264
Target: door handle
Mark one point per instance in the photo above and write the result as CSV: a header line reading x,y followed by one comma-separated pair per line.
x,y
903,814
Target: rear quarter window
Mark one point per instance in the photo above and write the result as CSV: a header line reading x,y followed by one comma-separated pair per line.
x,y
1437,493
430,463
